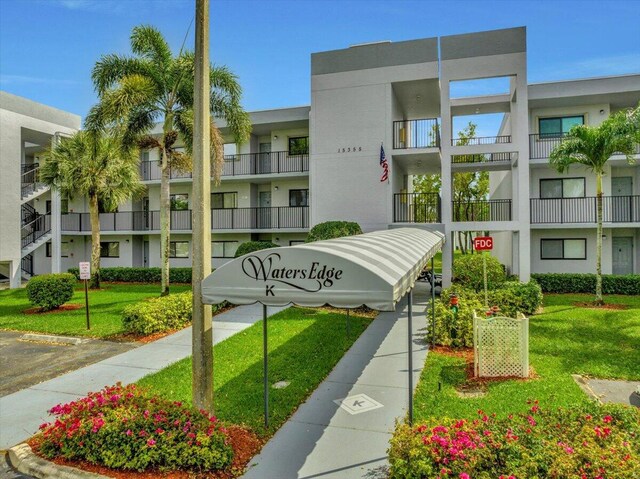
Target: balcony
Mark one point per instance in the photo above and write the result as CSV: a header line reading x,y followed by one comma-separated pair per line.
x,y
541,146
255,218
274,162
416,208
420,133
481,210
615,209
490,158
481,140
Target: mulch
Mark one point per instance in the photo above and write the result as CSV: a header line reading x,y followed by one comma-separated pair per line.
x,y
245,444
60,309
467,355
592,305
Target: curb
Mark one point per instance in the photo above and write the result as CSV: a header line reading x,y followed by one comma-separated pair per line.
x,y
22,458
48,338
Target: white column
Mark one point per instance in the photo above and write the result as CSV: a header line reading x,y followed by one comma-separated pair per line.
x,y
56,235
446,180
15,273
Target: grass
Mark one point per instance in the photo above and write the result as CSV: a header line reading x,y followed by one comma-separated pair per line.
x,y
304,346
105,307
437,260
563,340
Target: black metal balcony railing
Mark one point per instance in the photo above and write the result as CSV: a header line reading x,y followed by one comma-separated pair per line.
x,y
482,210
39,227
541,145
30,180
420,133
482,158
481,140
236,165
27,265
276,217
615,209
416,208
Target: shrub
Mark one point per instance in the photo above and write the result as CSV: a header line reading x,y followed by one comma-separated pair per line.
x,y
451,329
586,283
468,271
514,297
128,428
588,441
50,291
333,229
251,246
139,275
156,315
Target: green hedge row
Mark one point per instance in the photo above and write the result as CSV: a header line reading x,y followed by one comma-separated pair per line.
x,y
253,246
333,229
139,275
586,283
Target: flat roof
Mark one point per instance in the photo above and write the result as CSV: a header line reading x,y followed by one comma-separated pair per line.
x,y
33,109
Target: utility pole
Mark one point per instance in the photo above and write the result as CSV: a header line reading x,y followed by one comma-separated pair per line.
x,y
202,339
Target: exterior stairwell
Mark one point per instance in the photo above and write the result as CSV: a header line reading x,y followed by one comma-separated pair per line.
x,y
31,187
35,232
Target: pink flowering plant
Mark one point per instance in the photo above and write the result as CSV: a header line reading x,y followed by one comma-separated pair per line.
x,y
588,442
125,427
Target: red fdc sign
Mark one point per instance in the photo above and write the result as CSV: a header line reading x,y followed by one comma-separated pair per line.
x,y
482,243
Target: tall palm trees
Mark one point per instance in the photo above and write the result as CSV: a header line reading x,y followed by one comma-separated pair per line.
x,y
96,165
153,86
592,146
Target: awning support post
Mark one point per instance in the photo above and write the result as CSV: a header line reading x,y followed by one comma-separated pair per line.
x,y
265,366
433,301
410,354
348,324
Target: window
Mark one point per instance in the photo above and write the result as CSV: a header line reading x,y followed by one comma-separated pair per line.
x,y
179,202
223,249
64,249
230,149
221,201
144,156
558,126
299,145
64,207
298,197
563,248
109,249
178,249
562,188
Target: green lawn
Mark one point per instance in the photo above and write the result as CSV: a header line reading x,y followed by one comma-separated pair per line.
x,y
304,346
437,260
105,306
563,340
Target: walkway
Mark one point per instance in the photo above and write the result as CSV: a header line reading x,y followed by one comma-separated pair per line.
x,y
22,412
322,439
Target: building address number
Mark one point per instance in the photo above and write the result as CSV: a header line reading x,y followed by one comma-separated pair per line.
x,y
350,149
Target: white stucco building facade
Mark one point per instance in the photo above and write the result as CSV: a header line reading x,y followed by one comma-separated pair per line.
x,y
309,164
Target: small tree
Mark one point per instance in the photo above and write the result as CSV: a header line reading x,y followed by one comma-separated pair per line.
x,y
592,146
93,164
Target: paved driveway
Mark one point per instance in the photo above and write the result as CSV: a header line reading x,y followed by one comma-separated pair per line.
x,y
26,363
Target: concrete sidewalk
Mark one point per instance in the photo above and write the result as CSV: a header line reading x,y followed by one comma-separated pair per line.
x,y
325,440
23,411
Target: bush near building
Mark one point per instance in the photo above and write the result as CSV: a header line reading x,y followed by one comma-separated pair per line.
x,y
252,246
589,441
127,428
333,229
586,283
50,291
468,270
124,274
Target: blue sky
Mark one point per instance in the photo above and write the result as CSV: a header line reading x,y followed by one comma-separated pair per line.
x,y
48,47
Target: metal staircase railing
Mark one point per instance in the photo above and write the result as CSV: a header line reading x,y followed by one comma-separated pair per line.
x,y
36,229
30,180
29,214
27,265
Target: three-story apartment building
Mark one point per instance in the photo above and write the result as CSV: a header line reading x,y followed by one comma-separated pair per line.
x,y
321,162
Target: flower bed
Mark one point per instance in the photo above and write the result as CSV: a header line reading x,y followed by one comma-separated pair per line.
x,y
126,428
590,442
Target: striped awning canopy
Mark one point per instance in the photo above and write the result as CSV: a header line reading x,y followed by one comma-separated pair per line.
x,y
374,269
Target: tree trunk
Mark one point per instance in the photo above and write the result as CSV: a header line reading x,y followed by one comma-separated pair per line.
x,y
94,216
599,239
165,223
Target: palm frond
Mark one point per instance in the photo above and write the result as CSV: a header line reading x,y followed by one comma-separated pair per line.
x,y
148,42
110,69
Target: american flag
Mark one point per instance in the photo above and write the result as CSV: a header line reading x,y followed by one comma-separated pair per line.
x,y
384,165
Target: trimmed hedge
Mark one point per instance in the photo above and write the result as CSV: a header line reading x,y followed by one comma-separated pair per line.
x,y
468,271
586,283
156,315
139,275
514,297
333,229
252,246
50,291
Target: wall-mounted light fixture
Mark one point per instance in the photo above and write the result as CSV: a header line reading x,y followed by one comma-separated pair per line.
x,y
275,137
604,237
275,188
277,239
126,241
602,112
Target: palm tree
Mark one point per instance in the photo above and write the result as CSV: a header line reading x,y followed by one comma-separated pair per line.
x,y
153,86
592,146
93,164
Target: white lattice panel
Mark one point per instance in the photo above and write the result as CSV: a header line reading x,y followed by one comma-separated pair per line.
x,y
501,347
